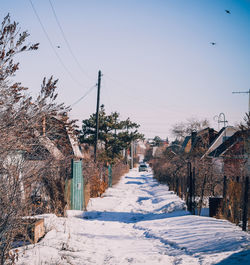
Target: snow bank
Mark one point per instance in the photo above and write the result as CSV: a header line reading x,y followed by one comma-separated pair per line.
x,y
138,221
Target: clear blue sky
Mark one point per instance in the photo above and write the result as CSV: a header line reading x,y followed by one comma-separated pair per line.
x,y
158,65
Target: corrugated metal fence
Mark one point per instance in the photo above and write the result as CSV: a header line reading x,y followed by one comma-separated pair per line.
x,y
77,186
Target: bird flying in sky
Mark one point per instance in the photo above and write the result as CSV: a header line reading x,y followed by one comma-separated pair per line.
x,y
227,11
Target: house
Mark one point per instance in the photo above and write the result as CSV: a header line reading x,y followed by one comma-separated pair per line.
x,y
198,142
55,151
232,155
186,145
217,161
223,135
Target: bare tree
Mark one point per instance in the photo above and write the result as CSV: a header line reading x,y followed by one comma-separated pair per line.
x,y
21,137
183,129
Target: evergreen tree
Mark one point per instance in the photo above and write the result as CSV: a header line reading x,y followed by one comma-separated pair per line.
x,y
157,141
114,135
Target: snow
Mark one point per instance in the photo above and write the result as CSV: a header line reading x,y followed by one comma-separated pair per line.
x,y
138,221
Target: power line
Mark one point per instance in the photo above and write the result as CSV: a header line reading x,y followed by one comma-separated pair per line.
x,y
141,100
107,95
66,41
90,89
150,131
52,46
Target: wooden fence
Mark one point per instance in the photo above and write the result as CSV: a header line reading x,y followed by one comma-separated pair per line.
x,y
235,203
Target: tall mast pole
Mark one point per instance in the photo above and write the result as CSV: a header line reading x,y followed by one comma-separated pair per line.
x,y
245,92
97,113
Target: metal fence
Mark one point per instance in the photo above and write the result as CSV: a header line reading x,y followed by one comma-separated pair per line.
x,y
233,204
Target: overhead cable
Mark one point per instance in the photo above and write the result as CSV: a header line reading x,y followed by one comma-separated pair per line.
x,y
52,46
67,42
81,98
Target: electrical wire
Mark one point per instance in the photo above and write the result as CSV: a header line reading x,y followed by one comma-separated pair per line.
x,y
141,100
150,131
67,42
81,98
107,96
52,46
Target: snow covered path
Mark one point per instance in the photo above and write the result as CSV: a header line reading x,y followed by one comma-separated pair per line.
x,y
138,222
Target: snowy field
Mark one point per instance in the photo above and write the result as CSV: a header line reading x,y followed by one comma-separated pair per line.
x,y
138,222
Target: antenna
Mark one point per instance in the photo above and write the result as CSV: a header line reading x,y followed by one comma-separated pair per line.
x,y
220,120
244,92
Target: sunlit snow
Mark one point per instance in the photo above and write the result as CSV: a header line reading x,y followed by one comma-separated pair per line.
x,y
138,221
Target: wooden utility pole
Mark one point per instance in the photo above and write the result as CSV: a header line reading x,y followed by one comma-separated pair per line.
x,y
132,155
97,113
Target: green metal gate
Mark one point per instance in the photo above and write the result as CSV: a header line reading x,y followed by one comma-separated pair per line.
x,y
77,186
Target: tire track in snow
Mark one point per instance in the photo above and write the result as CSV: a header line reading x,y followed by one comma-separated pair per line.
x,y
138,221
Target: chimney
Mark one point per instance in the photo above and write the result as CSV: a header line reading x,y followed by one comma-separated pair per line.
x,y
193,136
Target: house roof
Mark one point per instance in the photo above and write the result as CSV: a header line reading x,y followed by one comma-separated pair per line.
x,y
74,143
54,149
72,138
49,145
185,142
175,148
199,140
219,138
227,144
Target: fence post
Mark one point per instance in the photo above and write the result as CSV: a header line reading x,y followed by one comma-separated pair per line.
x,y
193,191
224,187
177,186
245,206
224,195
187,186
190,188
182,187
110,176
